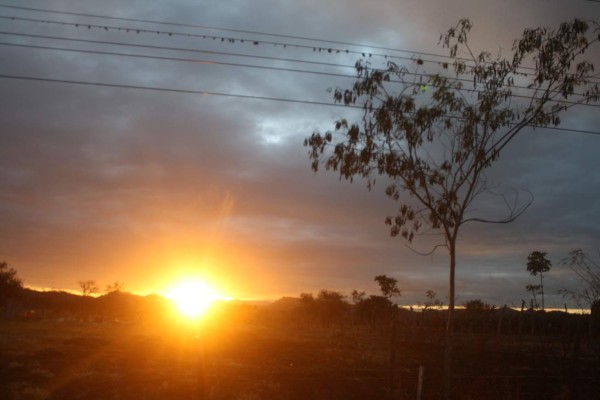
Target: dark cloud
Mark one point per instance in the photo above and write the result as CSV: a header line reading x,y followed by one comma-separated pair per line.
x,y
111,183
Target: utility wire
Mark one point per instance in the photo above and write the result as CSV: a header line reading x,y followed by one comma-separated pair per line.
x,y
204,36
214,28
422,75
296,37
232,40
183,49
188,60
209,93
214,62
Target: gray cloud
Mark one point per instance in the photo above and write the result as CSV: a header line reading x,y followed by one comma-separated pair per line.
x,y
94,177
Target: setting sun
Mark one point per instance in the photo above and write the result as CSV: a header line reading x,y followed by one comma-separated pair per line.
x,y
192,298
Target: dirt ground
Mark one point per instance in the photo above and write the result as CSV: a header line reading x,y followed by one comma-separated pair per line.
x,y
43,360
71,360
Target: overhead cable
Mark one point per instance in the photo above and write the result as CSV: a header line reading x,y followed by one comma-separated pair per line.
x,y
244,31
232,40
182,49
210,93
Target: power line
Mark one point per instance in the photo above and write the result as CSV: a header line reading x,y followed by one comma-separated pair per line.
x,y
209,93
182,91
214,62
189,60
231,40
204,36
208,27
182,49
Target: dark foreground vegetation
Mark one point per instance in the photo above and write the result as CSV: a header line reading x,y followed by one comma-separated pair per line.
x,y
122,346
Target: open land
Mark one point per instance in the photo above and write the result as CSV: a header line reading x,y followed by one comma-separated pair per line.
x,y
275,358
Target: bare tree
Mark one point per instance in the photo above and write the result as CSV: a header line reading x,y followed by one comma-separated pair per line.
x,y
114,287
434,137
534,290
588,271
88,287
432,301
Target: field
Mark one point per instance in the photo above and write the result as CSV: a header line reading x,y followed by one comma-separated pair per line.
x,y
250,360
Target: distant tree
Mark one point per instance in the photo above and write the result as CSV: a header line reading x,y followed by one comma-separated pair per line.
x,y
537,263
374,310
432,300
357,296
88,287
10,284
308,308
477,304
434,137
306,298
389,286
588,271
331,306
115,287
534,290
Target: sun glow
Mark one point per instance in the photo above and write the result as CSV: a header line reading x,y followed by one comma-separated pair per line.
x,y
193,298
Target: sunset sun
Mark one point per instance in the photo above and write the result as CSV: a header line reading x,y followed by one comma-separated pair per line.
x,y
192,297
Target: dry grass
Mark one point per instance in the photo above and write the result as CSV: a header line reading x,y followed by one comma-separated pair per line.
x,y
46,360
43,360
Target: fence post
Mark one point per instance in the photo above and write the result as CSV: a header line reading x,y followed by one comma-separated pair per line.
x,y
420,382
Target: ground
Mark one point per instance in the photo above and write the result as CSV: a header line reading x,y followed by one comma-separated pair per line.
x,y
252,361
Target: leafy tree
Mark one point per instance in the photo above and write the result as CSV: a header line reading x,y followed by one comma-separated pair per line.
x,y
537,263
331,306
88,287
433,137
357,296
588,270
374,310
477,304
306,299
389,286
10,284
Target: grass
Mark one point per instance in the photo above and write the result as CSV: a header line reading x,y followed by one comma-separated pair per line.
x,y
44,360
252,361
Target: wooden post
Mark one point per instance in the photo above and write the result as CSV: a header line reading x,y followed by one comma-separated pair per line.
x,y
392,366
420,382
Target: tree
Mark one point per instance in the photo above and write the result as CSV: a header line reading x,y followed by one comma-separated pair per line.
x,y
389,286
433,137
88,287
534,290
432,301
10,284
116,287
331,306
588,271
477,305
357,296
538,264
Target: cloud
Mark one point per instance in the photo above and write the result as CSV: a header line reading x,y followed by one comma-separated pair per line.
x,y
111,183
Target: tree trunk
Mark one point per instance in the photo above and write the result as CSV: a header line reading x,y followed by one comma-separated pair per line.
x,y
542,285
449,342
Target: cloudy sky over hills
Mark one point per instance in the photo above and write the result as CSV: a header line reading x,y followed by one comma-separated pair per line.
x,y
145,186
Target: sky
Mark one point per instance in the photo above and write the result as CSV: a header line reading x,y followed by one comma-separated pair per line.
x,y
147,187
